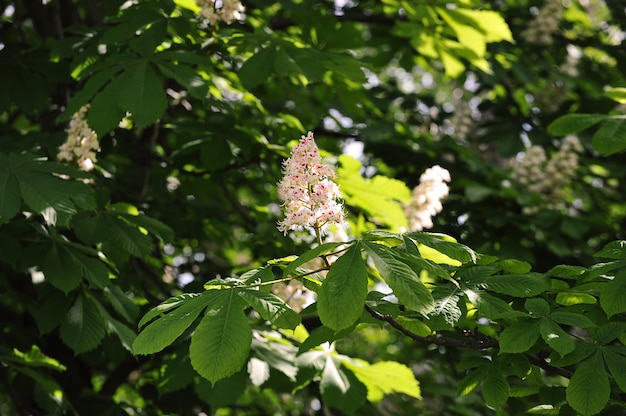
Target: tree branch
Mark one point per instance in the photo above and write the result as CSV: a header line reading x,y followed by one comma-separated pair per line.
x,y
481,343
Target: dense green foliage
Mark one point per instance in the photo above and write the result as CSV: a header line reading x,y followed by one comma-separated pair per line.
x,y
155,283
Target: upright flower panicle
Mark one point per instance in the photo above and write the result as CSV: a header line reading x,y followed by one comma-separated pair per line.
x,y
426,198
310,195
81,144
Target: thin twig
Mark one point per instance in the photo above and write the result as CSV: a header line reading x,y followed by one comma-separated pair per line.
x,y
482,343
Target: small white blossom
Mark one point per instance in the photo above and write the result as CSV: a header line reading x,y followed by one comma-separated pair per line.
x,y
225,10
547,177
426,198
81,144
310,195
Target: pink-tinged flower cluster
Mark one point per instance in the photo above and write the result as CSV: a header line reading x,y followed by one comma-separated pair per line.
x,y
310,195
81,144
224,10
426,198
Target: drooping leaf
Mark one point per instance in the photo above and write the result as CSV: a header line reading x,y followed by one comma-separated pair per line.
x,y
163,331
495,388
384,377
271,308
142,93
616,363
82,328
342,295
258,68
221,342
40,187
121,303
64,266
519,338
406,285
589,389
556,337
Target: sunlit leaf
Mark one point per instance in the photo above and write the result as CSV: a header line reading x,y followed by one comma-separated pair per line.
x,y
221,342
342,295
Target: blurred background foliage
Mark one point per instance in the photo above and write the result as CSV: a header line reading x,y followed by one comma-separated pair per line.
x,y
184,189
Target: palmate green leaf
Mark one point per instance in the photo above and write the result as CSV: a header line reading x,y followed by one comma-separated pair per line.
x,y
124,333
221,342
495,388
105,112
258,68
39,187
82,328
406,285
610,138
341,298
271,308
556,337
154,226
384,377
589,389
121,303
518,285
519,338
142,93
612,297
608,332
341,389
163,331
379,196
109,227
64,267
574,123
616,363
187,77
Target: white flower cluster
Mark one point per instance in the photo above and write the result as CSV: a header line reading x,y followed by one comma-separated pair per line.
x,y
426,198
545,23
548,177
81,144
310,195
225,10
